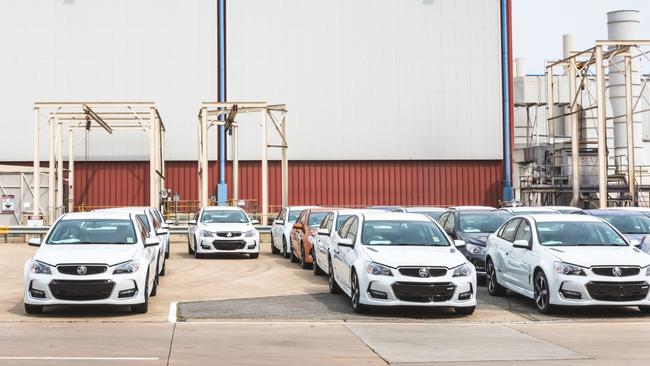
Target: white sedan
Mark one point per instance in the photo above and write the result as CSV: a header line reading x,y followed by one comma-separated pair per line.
x,y
389,259
93,258
222,229
567,260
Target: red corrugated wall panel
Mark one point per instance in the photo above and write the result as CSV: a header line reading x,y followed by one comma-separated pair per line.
x,y
331,183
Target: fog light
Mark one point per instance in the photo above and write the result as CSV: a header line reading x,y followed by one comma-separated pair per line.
x,y
127,293
378,294
572,295
205,246
465,296
37,294
252,246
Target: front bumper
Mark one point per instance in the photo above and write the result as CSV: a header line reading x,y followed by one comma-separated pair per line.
x,y
241,245
59,289
399,290
478,260
600,290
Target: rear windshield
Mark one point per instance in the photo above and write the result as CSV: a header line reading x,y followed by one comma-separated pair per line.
x,y
93,231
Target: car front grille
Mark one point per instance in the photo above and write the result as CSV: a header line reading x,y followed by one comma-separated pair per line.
x,y
229,234
74,269
430,271
81,290
618,291
228,244
609,271
424,292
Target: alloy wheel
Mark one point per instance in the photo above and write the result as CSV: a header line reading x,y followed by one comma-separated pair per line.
x,y
490,278
541,292
355,291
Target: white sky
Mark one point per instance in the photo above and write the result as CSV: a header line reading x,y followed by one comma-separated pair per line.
x,y
538,26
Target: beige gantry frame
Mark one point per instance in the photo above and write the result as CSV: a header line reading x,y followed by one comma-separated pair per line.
x,y
108,116
579,66
209,116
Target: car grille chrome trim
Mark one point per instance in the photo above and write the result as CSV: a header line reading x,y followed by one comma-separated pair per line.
x,y
228,234
414,271
73,269
608,271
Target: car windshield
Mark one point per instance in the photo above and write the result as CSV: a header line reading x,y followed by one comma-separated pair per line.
x,y
578,233
628,224
93,231
482,222
293,215
223,217
340,220
315,218
402,232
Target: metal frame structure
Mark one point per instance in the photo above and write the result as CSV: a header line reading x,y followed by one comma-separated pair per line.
x,y
225,114
592,63
107,116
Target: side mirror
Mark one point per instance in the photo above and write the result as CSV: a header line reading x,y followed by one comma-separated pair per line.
x,y
346,243
459,243
521,244
151,242
192,222
278,222
34,242
162,231
323,232
255,222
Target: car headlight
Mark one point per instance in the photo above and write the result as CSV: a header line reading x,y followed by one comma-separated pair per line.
x,y
647,271
40,268
126,267
475,249
250,233
378,269
463,270
568,269
207,234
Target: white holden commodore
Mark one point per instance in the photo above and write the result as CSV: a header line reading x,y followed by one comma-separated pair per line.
x,y
93,258
389,259
567,260
222,229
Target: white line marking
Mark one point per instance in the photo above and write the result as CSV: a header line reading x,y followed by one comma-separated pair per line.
x,y
173,309
18,358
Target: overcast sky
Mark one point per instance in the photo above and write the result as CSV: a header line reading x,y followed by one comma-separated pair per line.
x,y
538,26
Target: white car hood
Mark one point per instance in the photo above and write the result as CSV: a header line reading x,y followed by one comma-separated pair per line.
x,y
110,254
401,256
588,256
226,227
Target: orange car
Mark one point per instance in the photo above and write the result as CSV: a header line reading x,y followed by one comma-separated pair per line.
x,y
304,231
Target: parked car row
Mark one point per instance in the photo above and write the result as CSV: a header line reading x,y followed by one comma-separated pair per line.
x,y
113,256
387,256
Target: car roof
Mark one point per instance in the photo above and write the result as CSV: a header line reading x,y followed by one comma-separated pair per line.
x,y
222,208
528,209
401,216
424,209
104,214
292,208
604,211
632,209
563,218
564,208
472,208
352,211
135,210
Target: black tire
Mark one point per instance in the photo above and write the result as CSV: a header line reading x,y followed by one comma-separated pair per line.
x,y
167,253
465,310
197,255
292,257
143,307
333,286
314,265
274,250
154,289
190,251
33,309
254,255
303,261
491,282
355,297
644,309
542,294
285,248
162,271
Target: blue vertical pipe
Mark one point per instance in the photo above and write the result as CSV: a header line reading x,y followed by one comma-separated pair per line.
x,y
505,57
222,189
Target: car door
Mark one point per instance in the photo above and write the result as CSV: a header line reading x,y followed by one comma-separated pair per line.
x,y
348,255
323,241
505,246
150,253
337,253
521,260
277,228
296,234
192,230
157,227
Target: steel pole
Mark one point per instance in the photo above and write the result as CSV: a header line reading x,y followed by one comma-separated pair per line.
x,y
235,164
549,105
575,136
285,162
37,163
71,170
602,128
51,173
265,169
631,176
152,157
204,157
59,169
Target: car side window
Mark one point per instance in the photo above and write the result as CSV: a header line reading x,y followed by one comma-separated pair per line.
x,y
352,232
281,214
524,233
449,224
327,222
442,219
144,234
509,230
345,227
299,219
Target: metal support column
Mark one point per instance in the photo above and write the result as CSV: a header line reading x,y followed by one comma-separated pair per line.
x,y
51,172
235,164
204,157
602,128
265,170
59,169
71,170
631,176
549,105
37,163
575,136
285,163
152,158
